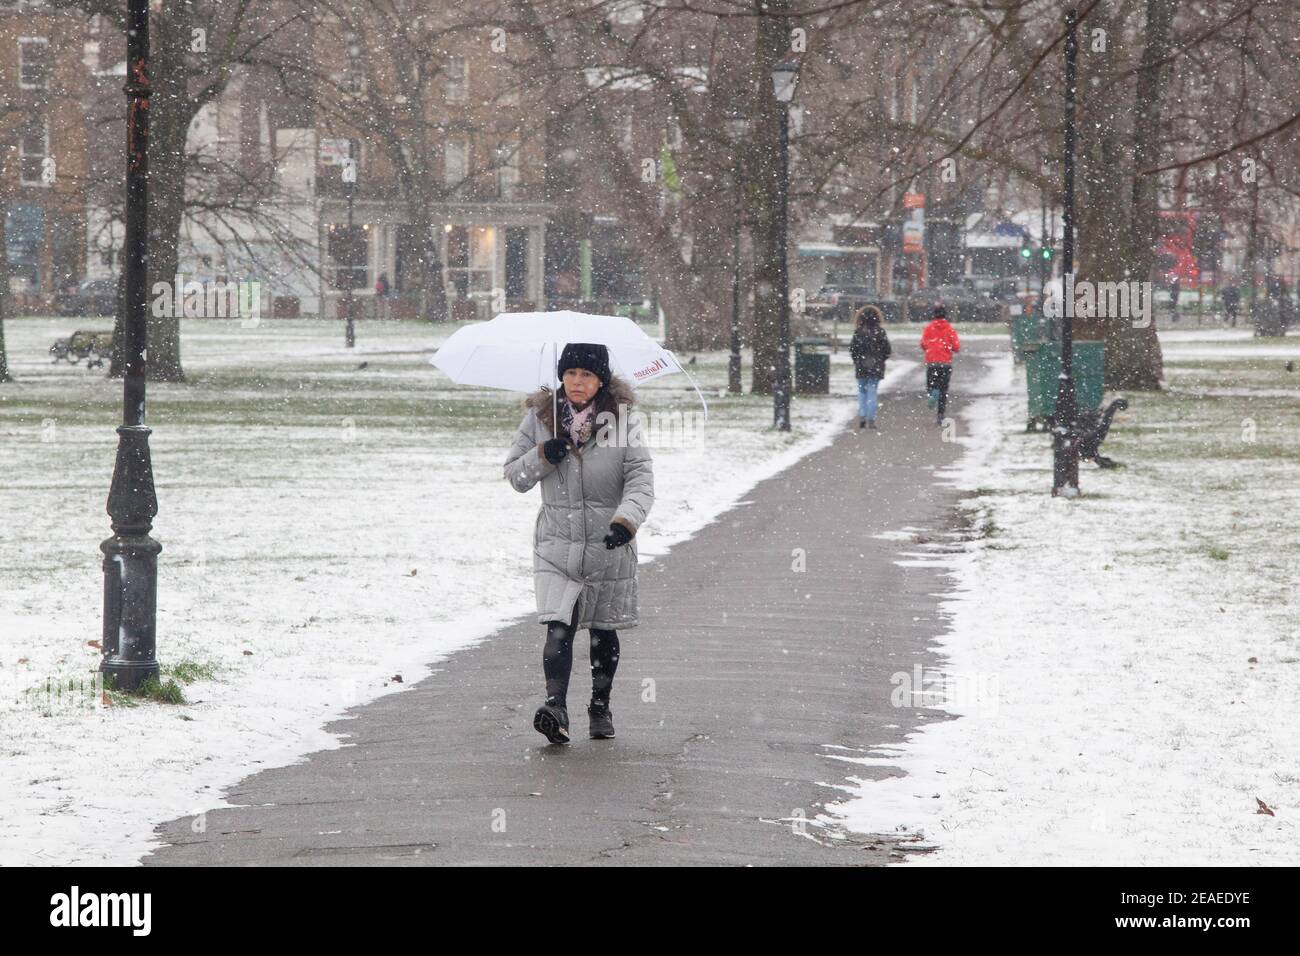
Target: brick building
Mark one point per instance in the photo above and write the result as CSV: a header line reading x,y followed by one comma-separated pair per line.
x,y
42,149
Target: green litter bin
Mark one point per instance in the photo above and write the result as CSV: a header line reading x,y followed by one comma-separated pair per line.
x,y
812,367
1027,328
1043,373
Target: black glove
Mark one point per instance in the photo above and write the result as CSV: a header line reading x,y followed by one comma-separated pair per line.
x,y
555,449
617,537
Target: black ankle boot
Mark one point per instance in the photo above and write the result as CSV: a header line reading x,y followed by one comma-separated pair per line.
x,y
602,721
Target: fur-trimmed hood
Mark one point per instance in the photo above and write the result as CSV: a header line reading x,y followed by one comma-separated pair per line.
x,y
617,392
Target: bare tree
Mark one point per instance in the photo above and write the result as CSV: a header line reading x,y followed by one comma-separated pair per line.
x,y
197,48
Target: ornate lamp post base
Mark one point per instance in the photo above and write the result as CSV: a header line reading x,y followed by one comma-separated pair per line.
x,y
131,566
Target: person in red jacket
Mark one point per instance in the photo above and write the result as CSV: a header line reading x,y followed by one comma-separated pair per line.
x,y
939,341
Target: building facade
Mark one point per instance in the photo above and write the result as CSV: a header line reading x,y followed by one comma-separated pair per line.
x,y
42,150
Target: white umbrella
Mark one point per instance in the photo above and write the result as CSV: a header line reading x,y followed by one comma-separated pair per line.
x,y
519,351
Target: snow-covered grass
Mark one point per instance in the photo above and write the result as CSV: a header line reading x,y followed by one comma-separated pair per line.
x,y
1125,665
326,527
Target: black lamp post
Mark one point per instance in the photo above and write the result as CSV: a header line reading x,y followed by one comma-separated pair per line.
x,y
1044,238
738,127
131,555
1065,443
785,77
349,174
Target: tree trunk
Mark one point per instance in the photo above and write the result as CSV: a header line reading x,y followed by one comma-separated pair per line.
x,y
1105,214
171,110
694,320
1133,357
433,295
706,323
771,44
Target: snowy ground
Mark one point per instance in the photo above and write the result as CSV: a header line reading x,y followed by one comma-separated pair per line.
x,y
325,528
1139,715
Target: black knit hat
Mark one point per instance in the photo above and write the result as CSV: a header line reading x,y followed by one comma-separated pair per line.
x,y
594,358
940,312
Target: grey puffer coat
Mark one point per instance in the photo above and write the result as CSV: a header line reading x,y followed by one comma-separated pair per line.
x,y
609,480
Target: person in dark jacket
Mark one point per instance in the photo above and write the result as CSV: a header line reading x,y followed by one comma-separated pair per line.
x,y
869,348
1231,298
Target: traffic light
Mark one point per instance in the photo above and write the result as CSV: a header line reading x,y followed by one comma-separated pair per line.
x,y
1025,252
1047,252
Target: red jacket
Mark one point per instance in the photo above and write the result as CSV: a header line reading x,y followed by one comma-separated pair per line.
x,y
939,341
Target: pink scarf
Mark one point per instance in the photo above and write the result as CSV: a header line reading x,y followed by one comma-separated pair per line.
x,y
580,422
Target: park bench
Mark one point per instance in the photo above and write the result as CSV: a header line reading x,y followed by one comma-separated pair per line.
x,y
1092,426
83,346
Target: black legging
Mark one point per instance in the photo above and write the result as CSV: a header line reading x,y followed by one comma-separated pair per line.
x,y
937,377
557,660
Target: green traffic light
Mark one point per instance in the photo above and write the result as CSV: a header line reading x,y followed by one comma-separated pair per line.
x,y
1047,253
1025,253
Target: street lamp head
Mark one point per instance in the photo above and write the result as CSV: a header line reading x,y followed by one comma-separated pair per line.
x,y
785,76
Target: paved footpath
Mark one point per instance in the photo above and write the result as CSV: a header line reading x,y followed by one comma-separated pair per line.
x,y
760,674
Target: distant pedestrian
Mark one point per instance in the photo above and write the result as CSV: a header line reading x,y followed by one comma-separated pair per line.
x,y
1231,296
1285,306
939,341
869,348
595,495
382,288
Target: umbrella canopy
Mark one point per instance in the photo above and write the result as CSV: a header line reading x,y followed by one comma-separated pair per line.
x,y
519,351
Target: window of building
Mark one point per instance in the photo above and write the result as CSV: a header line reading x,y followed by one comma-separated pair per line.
x,y
409,262
33,63
455,164
351,77
507,169
348,251
33,151
457,79
471,260
516,263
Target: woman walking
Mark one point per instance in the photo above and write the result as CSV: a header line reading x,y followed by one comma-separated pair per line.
x,y
939,341
597,487
869,348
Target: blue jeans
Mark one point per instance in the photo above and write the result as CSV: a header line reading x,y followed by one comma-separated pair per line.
x,y
867,398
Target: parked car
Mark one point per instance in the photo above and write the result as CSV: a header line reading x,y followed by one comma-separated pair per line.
x,y
840,302
992,287
88,297
961,303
